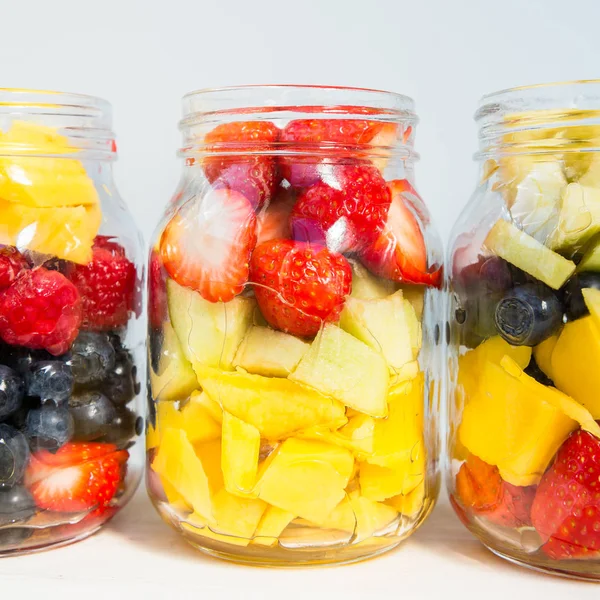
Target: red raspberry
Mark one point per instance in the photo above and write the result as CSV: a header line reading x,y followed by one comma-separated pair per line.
x,y
350,206
106,285
299,286
40,310
12,262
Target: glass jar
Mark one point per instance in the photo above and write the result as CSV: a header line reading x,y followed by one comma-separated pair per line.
x,y
293,302
524,360
71,331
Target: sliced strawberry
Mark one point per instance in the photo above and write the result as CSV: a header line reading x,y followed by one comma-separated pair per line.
x,y
399,253
81,477
207,244
157,291
273,222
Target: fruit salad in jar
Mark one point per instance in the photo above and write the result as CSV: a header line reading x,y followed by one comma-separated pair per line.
x,y
524,437
68,377
291,300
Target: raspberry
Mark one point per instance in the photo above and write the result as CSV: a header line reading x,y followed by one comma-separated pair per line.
x,y
12,262
40,310
106,285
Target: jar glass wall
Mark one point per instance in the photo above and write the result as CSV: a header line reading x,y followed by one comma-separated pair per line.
x,y
523,277
71,331
293,302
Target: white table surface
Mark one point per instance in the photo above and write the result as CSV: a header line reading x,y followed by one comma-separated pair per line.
x,y
137,556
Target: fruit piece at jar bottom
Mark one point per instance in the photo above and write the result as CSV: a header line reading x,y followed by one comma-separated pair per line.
x,y
239,454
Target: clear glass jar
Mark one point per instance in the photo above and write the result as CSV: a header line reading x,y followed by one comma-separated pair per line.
x,y
293,303
71,332
524,309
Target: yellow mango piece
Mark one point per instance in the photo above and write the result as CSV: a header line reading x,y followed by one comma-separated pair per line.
x,y
213,408
199,527
177,463
198,422
209,454
575,363
277,407
306,477
152,436
408,371
174,498
529,255
65,232
410,504
167,416
505,424
356,435
235,516
240,446
271,526
553,396
543,354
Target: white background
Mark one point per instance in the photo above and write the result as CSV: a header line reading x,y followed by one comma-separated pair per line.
x,y
143,56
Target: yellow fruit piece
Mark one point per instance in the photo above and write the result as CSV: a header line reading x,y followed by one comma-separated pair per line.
x,y
543,355
339,365
213,408
235,516
505,424
240,446
198,527
306,477
175,379
415,294
356,435
591,297
276,407
529,255
411,504
366,286
209,454
64,232
174,498
591,178
42,182
152,436
575,363
591,258
176,462
198,422
566,404
271,526
409,371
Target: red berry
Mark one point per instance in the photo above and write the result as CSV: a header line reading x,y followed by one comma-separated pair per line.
x,y
256,177
299,286
77,477
350,207
206,246
106,285
12,262
157,291
40,310
273,221
399,252
566,509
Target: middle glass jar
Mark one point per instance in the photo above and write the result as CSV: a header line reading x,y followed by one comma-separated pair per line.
x,y
293,322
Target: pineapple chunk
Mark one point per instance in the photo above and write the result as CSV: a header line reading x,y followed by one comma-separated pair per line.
x,y
268,352
198,421
175,379
529,255
388,326
366,286
339,365
306,478
209,332
276,407
410,504
212,408
271,526
239,455
543,354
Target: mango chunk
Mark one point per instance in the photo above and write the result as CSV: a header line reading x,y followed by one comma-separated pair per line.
x,y
339,365
529,255
411,504
235,516
356,435
306,477
239,455
198,421
197,526
543,354
177,463
212,408
209,332
575,363
507,425
276,407
271,526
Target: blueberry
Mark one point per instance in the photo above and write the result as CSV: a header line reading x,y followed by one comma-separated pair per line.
x,y
49,427
150,407
533,370
22,359
18,419
50,380
495,274
16,504
120,384
573,298
92,414
93,356
528,314
11,391
156,340
122,428
14,455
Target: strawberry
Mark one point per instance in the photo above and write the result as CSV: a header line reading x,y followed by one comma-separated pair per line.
x,y
350,207
482,491
157,292
566,509
274,221
399,252
298,286
256,177
207,244
12,262
77,477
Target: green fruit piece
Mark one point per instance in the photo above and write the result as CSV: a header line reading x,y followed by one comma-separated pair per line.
x,y
175,379
277,407
341,366
366,286
591,297
268,352
209,332
591,257
529,255
388,326
240,446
